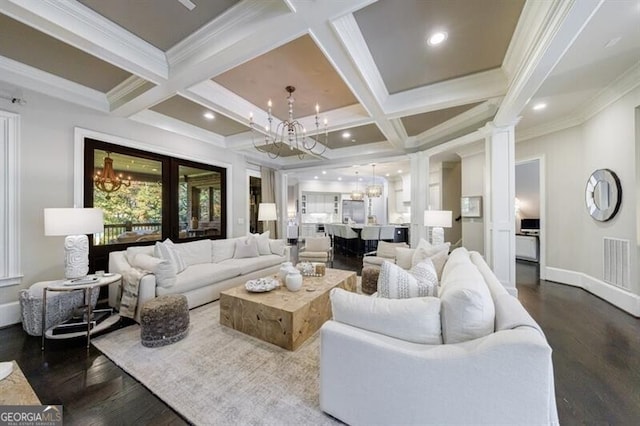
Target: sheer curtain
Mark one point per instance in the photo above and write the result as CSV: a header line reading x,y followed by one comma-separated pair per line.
x,y
268,193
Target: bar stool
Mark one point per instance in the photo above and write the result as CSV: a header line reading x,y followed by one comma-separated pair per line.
x,y
387,233
350,239
369,235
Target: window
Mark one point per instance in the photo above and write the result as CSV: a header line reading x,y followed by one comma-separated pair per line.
x,y
133,211
150,197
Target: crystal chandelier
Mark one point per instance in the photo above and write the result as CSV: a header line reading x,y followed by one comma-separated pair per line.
x,y
357,194
289,134
374,190
107,180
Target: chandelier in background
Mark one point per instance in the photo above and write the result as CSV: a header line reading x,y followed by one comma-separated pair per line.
x,y
107,180
289,134
356,194
374,190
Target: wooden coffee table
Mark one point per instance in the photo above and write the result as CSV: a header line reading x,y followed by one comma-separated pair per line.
x,y
282,317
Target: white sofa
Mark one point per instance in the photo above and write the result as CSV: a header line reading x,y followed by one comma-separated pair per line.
x,y
505,376
211,267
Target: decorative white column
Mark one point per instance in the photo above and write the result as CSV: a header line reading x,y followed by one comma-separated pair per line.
x,y
419,195
282,181
500,227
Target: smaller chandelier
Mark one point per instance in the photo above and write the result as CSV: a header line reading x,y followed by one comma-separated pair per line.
x,y
107,180
374,190
289,134
356,194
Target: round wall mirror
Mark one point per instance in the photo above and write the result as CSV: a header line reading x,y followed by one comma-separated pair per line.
x,y
603,195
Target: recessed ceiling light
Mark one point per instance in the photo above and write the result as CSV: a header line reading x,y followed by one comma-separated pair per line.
x,y
324,172
437,38
359,179
339,178
315,177
540,106
209,115
387,175
346,135
399,170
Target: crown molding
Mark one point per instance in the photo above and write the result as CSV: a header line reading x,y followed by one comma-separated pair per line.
x,y
459,91
127,90
622,85
347,30
14,72
172,125
227,29
558,25
458,123
81,27
603,99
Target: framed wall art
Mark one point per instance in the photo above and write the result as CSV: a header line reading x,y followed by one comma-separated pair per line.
x,y
471,206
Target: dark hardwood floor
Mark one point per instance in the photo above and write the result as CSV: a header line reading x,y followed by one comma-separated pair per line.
x,y
596,361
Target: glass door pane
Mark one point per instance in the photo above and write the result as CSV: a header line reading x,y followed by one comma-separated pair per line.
x,y
199,202
129,191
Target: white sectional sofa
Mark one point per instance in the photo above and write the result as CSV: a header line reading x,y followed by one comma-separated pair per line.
x,y
210,266
486,361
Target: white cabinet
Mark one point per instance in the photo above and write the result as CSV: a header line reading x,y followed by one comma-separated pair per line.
x,y
320,203
527,247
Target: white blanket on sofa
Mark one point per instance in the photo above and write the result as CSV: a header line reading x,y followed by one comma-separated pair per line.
x,y
130,284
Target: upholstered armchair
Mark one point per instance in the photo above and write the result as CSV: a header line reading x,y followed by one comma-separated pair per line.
x,y
316,249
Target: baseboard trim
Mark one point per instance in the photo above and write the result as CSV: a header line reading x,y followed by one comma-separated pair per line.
x,y
9,314
618,297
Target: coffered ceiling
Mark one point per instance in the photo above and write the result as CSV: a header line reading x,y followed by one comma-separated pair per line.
x,y
384,89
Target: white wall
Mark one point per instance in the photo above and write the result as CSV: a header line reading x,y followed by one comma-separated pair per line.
x,y
574,239
46,163
472,175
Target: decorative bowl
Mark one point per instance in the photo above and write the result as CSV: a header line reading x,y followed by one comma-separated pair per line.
x,y
261,285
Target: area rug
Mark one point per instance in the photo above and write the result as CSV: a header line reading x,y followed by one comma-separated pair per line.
x,y
217,375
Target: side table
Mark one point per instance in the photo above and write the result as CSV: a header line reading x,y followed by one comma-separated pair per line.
x,y
87,289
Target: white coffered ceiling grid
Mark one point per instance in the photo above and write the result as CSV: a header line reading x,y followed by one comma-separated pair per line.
x,y
230,57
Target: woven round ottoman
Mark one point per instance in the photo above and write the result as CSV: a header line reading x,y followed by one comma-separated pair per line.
x,y
370,279
164,320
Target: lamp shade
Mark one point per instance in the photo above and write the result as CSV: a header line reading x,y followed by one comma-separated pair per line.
x,y
267,211
71,221
437,218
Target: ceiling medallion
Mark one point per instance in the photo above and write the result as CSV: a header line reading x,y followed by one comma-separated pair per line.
x,y
374,190
107,180
290,134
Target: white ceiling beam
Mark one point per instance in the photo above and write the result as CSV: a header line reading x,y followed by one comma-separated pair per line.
x,y
558,25
81,27
22,75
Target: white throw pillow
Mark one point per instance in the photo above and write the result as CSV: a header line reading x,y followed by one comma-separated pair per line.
x,y
468,311
223,249
427,278
246,247
396,283
404,256
415,320
166,250
262,240
277,247
162,269
388,250
135,250
194,252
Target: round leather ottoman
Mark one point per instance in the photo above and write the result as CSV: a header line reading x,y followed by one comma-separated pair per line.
x,y
370,279
164,320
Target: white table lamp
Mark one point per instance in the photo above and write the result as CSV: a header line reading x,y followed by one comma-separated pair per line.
x,y
437,220
267,211
74,224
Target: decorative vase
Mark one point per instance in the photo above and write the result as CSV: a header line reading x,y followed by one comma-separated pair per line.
x,y
294,280
284,270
